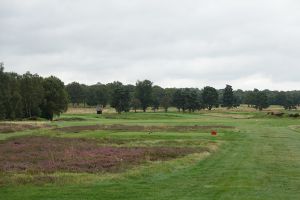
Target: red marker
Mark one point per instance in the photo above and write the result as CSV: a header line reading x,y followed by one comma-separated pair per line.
x,y
214,133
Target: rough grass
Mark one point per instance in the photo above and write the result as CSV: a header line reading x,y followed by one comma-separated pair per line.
x,y
231,115
70,119
135,128
15,127
295,128
48,155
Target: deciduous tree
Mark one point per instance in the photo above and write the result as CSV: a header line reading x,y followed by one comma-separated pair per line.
x,y
32,92
76,93
55,99
135,104
228,98
210,97
165,102
120,99
144,93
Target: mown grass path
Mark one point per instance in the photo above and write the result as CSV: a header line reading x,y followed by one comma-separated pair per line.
x,y
262,161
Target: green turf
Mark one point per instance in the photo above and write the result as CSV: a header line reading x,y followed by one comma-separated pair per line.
x,y
260,159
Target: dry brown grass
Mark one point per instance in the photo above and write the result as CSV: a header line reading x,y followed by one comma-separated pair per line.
x,y
10,127
87,110
136,128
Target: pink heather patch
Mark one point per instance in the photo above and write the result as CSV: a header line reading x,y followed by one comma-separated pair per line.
x,y
45,154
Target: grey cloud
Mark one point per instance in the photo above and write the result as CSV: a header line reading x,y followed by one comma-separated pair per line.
x,y
174,43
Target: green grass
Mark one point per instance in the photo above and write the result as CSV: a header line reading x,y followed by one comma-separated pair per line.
x,y
260,159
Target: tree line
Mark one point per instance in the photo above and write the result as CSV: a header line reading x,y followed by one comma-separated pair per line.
x,y
144,95
30,95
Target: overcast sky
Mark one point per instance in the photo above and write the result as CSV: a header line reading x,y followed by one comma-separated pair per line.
x,y
175,43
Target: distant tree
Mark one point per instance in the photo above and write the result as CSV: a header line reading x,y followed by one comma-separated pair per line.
x,y
97,95
135,104
210,97
192,99
55,99
187,99
76,93
91,99
236,101
179,100
260,99
120,99
157,94
297,97
271,95
110,87
228,98
131,89
14,105
4,90
85,89
281,98
238,96
144,93
165,102
287,100
32,92
11,106
155,104
170,91
249,98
